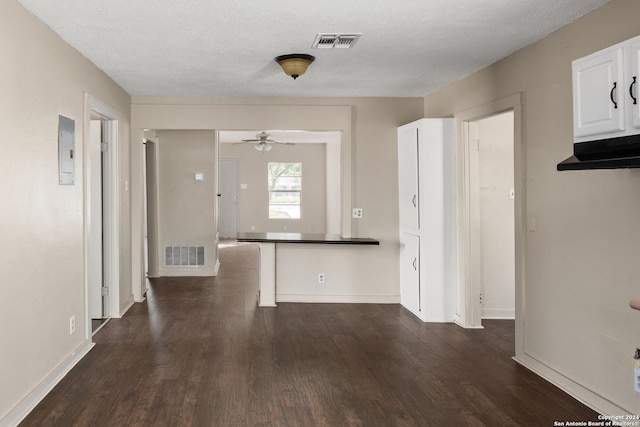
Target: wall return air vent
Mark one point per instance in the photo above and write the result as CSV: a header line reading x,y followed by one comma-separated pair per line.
x,y
183,256
335,41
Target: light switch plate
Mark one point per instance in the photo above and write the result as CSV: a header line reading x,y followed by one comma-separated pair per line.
x,y
532,223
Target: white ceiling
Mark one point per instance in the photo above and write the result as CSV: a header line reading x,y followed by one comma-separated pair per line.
x,y
226,47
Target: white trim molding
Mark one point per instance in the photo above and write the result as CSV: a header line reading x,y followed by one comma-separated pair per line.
x,y
339,299
574,389
22,409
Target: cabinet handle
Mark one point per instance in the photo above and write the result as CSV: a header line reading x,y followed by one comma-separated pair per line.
x,y
415,265
615,104
633,83
414,201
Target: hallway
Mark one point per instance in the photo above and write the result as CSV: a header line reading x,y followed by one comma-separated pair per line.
x,y
199,352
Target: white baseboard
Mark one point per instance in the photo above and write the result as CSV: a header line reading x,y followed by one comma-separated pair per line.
x,y
128,305
217,267
498,313
188,272
589,398
340,299
20,412
462,325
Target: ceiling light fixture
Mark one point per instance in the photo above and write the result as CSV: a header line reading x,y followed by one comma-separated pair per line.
x,y
295,64
262,146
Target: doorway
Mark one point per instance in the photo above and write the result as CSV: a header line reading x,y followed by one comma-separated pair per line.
x,y
150,194
471,300
228,198
101,214
495,192
98,288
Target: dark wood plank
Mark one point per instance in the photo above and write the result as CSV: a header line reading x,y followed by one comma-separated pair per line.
x,y
199,352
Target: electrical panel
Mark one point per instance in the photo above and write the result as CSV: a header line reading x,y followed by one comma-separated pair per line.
x,y
66,150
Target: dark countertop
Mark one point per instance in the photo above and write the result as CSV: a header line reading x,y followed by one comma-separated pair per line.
x,y
304,238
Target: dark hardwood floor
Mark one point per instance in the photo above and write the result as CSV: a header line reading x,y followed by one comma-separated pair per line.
x,y
199,352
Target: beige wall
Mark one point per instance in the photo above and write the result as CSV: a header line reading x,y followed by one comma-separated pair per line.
x,y
42,251
582,262
186,206
253,203
369,157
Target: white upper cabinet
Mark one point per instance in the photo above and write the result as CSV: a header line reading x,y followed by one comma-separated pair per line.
x,y
408,178
605,93
597,80
634,75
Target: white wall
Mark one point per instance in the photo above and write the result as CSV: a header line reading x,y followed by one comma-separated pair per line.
x,y
42,223
497,244
581,265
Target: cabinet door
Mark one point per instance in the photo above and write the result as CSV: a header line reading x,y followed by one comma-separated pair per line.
x,y
410,272
408,196
632,84
599,93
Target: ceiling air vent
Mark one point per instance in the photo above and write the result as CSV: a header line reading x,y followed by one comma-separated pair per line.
x,y
333,40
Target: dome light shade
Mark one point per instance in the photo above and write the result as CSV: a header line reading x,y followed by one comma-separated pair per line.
x,y
295,64
262,146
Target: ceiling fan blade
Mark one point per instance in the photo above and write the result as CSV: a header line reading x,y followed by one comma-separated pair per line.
x,y
283,142
236,143
251,140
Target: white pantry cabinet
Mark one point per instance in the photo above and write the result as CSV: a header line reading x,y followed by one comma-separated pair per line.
x,y
426,191
605,93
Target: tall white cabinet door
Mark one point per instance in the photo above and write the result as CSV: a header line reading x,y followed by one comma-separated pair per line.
x,y
410,272
408,177
599,93
632,80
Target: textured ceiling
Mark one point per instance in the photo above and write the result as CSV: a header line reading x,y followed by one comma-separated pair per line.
x,y
226,47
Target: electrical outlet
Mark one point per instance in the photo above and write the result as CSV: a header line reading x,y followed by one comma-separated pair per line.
x,y
356,213
72,325
321,278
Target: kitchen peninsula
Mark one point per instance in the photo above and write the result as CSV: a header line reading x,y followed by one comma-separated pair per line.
x,y
268,242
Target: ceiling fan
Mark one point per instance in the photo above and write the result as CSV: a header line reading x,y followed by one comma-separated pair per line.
x,y
263,140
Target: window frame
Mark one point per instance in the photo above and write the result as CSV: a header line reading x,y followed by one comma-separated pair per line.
x,y
284,190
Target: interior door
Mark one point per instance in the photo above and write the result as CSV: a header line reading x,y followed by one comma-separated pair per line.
x,y
95,258
228,198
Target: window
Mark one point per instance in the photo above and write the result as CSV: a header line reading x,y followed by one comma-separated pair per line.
x,y
285,184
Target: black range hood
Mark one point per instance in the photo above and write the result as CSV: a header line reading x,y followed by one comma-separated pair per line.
x,y
613,153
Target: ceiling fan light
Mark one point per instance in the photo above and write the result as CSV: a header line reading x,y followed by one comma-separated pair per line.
x,y
295,64
262,147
